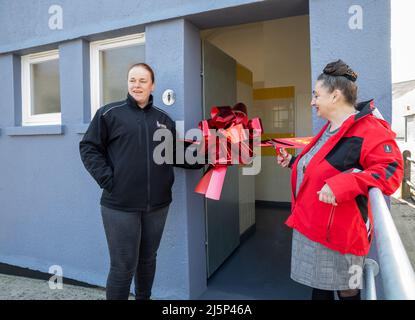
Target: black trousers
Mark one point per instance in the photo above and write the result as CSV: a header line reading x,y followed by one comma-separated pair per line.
x,y
133,240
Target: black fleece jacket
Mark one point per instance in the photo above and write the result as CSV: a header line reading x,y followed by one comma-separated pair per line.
x,y
117,150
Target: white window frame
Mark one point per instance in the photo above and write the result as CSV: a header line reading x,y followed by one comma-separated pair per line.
x,y
95,68
29,119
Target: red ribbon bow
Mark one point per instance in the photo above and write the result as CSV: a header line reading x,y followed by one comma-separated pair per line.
x,y
233,132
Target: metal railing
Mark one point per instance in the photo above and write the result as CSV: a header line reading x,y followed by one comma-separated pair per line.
x,y
371,270
398,277
408,187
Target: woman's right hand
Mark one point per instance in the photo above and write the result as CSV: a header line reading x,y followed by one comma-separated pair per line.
x,y
284,158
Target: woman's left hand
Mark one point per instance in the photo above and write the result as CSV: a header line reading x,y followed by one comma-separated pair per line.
x,y
326,195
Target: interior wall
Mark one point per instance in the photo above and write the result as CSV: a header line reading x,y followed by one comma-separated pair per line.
x,y
278,54
244,92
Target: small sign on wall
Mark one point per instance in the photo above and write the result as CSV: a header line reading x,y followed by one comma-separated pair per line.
x,y
169,97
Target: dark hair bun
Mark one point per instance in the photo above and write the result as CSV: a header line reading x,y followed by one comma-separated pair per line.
x,y
340,69
240,107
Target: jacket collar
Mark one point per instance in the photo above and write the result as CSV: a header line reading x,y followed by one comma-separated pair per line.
x,y
365,108
132,103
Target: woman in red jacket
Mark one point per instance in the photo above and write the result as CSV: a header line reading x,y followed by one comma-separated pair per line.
x,y
331,177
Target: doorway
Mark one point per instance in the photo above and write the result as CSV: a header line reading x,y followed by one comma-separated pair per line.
x,y
265,65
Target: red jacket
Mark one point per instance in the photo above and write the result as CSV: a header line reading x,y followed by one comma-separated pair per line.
x,y
362,154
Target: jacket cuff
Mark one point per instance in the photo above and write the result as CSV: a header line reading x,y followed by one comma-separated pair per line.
x,y
186,165
293,158
340,185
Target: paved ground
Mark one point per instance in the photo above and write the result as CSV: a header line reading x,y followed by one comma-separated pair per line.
x,y
20,288
403,214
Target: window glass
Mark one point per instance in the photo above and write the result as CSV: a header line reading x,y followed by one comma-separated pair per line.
x,y
115,63
45,91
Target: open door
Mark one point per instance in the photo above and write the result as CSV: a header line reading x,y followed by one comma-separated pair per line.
x,y
222,217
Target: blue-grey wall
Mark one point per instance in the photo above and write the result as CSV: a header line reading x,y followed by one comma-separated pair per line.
x,y
49,203
49,213
173,49
25,24
367,50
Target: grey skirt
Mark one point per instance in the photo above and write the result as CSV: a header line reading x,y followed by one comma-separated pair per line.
x,y
317,266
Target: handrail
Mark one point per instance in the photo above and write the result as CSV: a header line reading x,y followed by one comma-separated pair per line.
x,y
371,271
397,273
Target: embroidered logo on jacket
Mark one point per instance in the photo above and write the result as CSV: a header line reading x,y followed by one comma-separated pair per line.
x,y
387,148
160,125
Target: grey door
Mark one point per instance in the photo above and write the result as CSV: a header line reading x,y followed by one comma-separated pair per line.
x,y
222,217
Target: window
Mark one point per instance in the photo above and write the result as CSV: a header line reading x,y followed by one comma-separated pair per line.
x,y
40,89
284,118
277,115
110,60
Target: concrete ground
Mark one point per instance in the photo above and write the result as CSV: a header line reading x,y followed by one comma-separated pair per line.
x,y
403,214
260,268
21,288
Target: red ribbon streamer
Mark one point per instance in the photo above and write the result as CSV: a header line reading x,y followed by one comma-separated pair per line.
x,y
230,125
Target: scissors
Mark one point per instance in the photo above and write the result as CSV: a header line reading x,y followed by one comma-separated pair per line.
x,y
278,148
